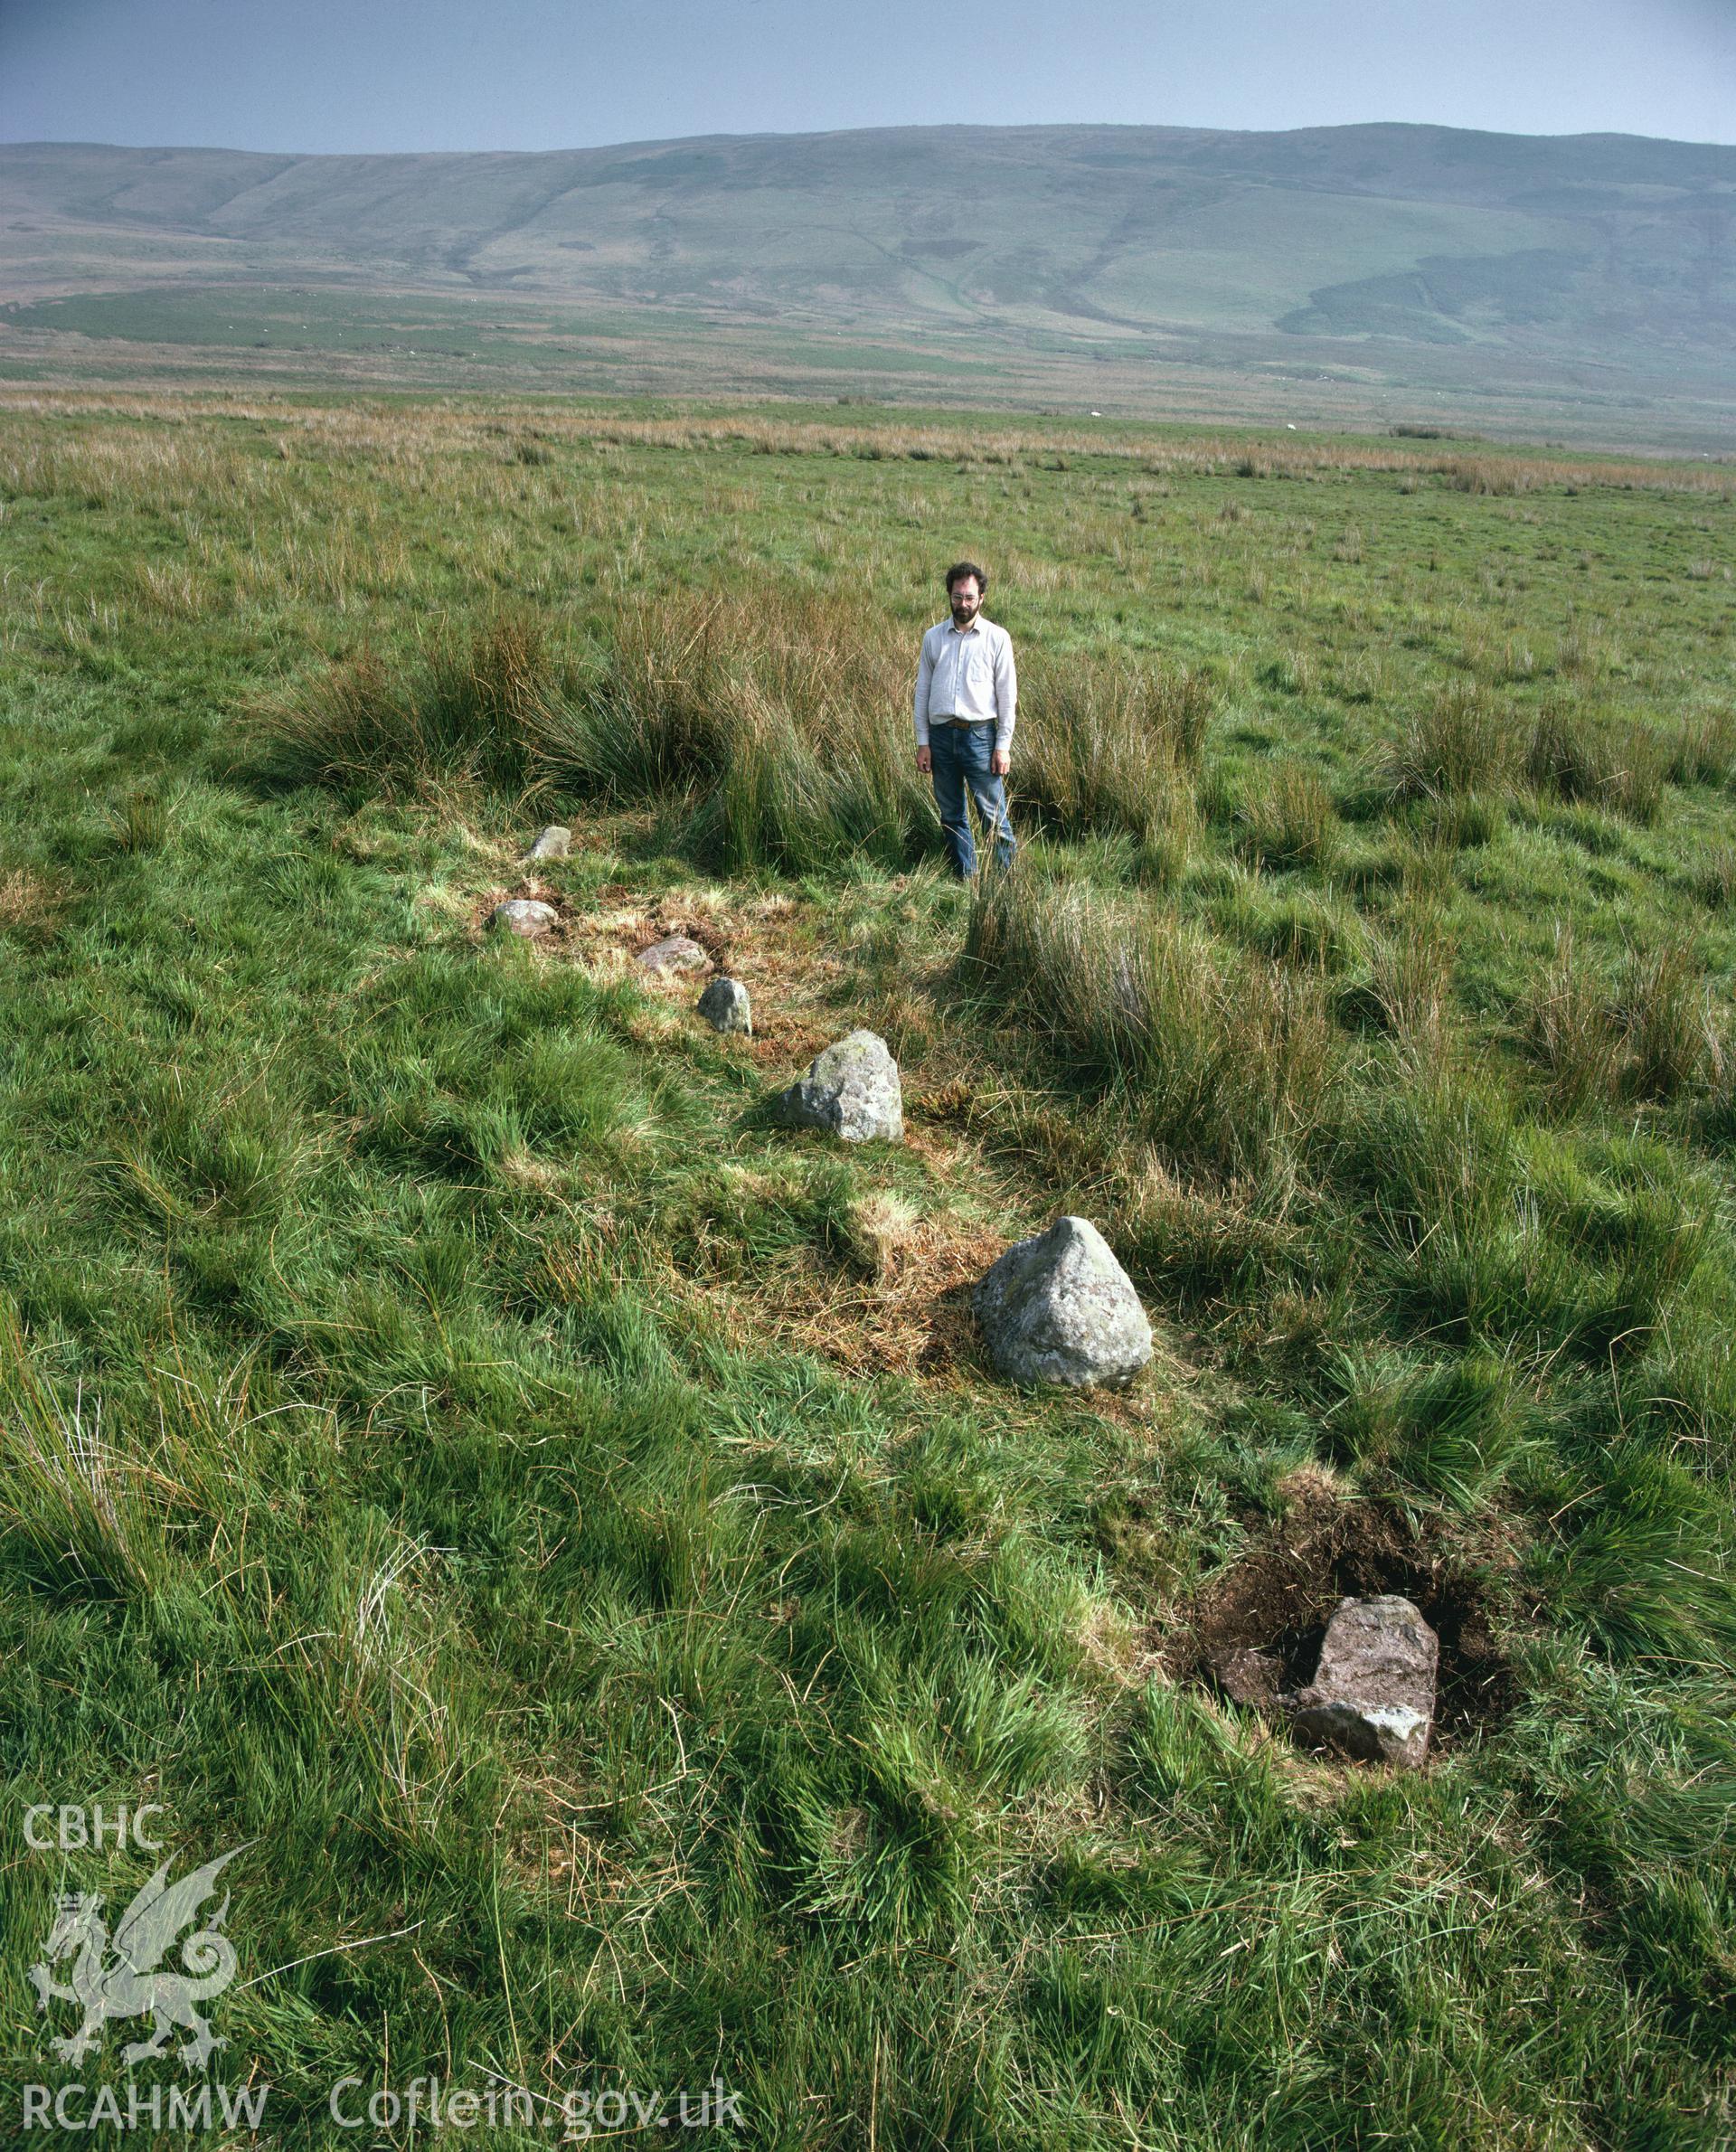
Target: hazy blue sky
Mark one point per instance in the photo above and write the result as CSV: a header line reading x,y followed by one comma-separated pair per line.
x,y
543,74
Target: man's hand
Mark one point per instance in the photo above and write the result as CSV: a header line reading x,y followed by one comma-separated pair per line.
x,y
924,759
1000,762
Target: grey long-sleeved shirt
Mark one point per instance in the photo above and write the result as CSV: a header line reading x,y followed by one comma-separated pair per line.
x,y
968,675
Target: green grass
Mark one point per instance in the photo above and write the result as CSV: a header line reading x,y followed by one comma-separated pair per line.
x,y
451,1441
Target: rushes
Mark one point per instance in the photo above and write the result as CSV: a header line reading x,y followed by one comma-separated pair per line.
x,y
1467,744
1714,881
1459,746
1221,1058
141,821
1662,1013
1651,1037
1568,1030
1587,756
785,725
1112,744
1703,750
781,726
1490,474
1410,976
1286,818
778,729
467,709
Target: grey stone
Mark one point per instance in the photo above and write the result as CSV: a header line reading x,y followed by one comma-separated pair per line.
x,y
674,952
1248,1677
553,843
1372,1695
851,1091
525,916
725,1006
1059,1309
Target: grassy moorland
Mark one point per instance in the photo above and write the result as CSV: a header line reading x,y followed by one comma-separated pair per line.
x,y
451,1441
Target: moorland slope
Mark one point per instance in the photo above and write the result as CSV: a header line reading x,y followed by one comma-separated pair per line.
x,y
1586,280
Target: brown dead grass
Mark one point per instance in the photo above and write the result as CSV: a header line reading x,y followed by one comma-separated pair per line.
x,y
769,942
26,898
410,431
914,1319
896,1300
610,932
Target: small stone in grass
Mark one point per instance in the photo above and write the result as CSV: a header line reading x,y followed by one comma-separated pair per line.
x,y
851,1091
525,916
553,843
1059,1309
1372,1695
725,1006
674,952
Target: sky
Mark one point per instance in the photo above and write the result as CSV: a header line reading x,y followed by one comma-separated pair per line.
x,y
377,75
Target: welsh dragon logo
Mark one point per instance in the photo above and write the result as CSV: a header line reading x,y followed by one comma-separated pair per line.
x,y
119,1976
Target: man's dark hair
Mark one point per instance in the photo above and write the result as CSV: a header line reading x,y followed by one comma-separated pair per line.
x,y
960,569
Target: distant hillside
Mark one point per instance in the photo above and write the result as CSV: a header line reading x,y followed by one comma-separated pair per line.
x,y
1591,275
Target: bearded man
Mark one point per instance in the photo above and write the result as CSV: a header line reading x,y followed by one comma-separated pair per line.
x,y
967,700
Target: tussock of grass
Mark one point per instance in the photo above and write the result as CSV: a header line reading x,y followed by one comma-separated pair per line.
x,y
1286,819
1703,749
1586,755
467,707
1650,1034
777,724
1296,926
1567,1029
141,821
1222,1058
1459,745
1714,878
1500,1236
1410,973
1111,744
1663,1012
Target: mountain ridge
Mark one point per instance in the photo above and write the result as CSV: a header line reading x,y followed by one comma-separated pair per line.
x,y
1462,263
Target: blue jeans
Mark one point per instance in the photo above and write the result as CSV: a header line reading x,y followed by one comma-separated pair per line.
x,y
961,758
